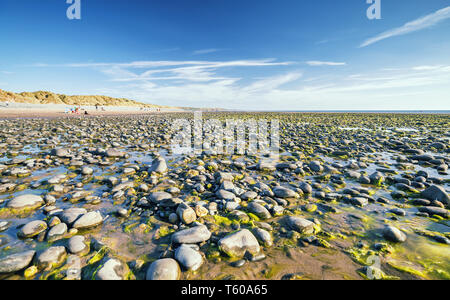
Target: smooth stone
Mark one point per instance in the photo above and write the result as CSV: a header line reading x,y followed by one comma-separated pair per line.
x,y
186,214
398,211
112,269
300,225
60,152
226,195
238,243
159,165
51,257
164,269
433,210
70,215
88,220
57,232
359,201
315,166
189,258
26,201
258,210
157,197
250,195
194,235
263,236
114,153
393,234
436,192
87,171
282,192
77,244
32,229
16,262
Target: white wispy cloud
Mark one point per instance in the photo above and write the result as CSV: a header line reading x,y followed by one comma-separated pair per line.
x,y
196,71
395,89
317,63
418,24
213,84
206,51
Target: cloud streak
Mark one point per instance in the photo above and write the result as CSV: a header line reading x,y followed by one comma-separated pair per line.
x,y
416,25
317,63
206,51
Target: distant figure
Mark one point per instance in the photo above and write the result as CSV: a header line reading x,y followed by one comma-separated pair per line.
x,y
85,112
96,106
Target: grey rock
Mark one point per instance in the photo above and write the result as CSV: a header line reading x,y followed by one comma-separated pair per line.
x,y
315,166
258,210
238,243
26,201
57,232
194,235
436,192
16,262
51,257
300,225
186,214
433,210
250,195
159,165
189,258
32,229
78,245
164,269
223,194
393,234
69,215
263,237
157,197
282,192
88,220
112,269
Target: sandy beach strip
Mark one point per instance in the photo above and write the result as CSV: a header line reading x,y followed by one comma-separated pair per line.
x,y
24,110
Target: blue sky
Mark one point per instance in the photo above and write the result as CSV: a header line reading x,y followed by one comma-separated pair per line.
x,y
249,54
